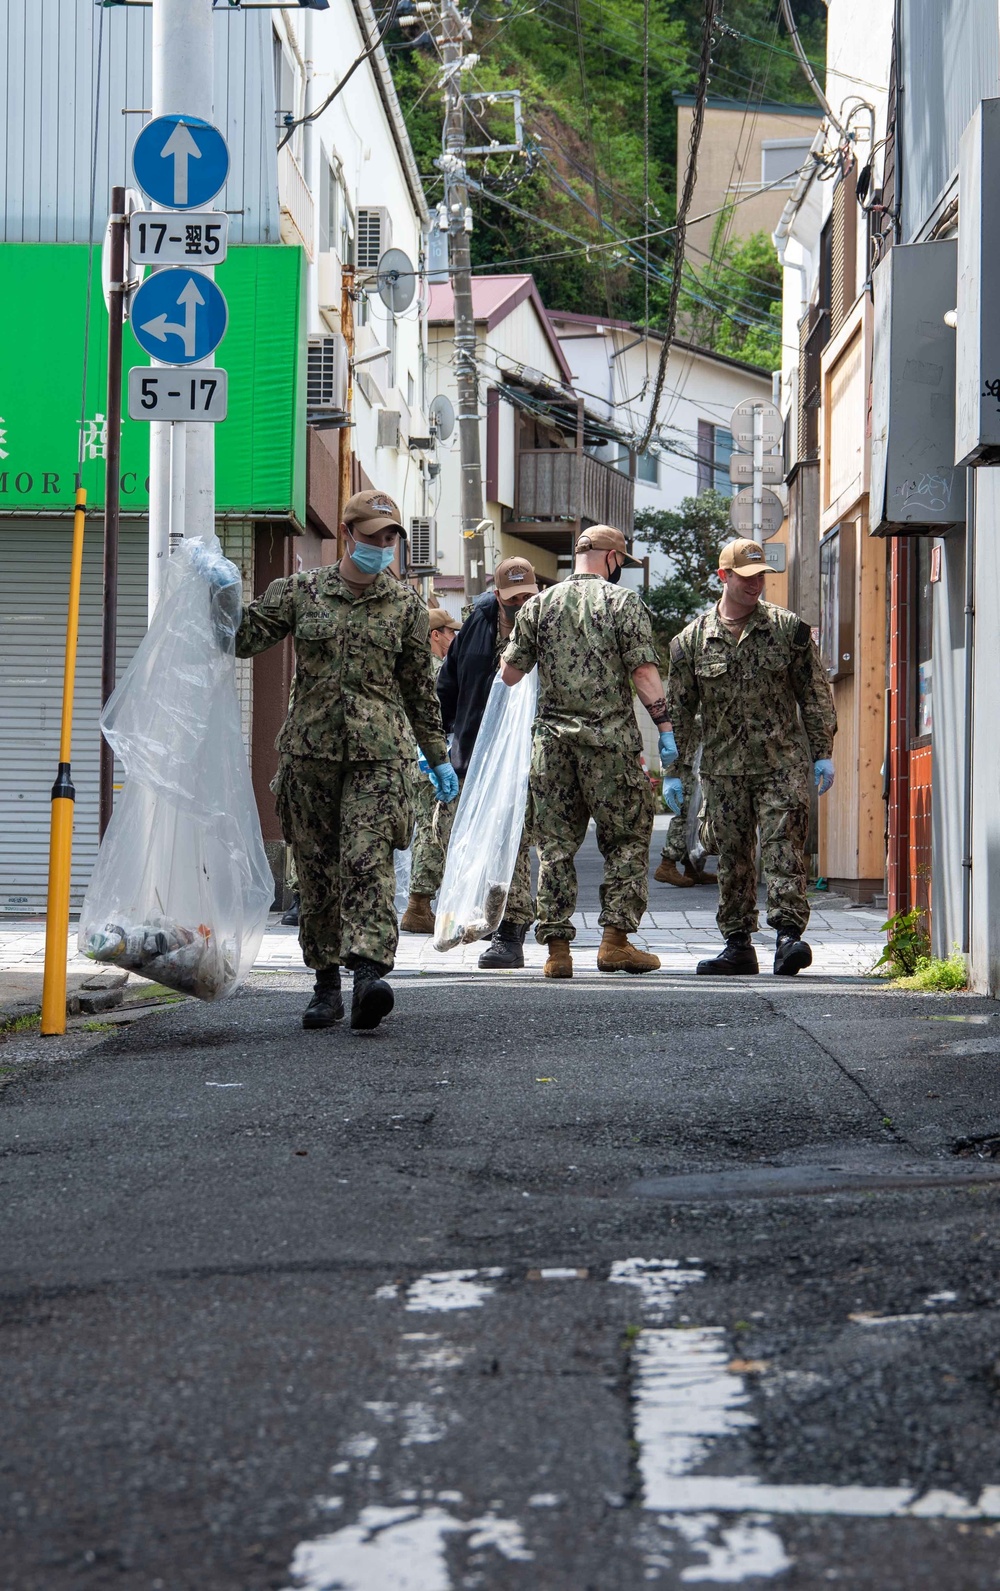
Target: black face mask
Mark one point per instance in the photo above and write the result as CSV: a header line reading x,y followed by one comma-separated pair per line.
x,y
614,575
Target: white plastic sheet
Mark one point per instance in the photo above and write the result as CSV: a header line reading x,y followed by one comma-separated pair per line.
x,y
487,831
182,886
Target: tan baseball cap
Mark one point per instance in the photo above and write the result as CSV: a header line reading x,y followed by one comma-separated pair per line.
x,y
440,619
602,538
515,577
743,558
372,511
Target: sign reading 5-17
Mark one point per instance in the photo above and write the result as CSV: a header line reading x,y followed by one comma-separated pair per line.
x,y
177,394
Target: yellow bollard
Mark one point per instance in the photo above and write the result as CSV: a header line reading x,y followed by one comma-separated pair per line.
x,y
63,798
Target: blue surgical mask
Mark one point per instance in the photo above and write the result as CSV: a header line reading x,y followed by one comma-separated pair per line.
x,y
371,560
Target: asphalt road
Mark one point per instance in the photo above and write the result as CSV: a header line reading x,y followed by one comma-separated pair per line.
x,y
594,1285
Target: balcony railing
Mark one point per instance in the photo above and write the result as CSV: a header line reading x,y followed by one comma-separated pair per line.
x,y
298,211
558,485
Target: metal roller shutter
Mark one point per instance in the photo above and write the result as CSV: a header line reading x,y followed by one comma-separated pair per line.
x,y
34,588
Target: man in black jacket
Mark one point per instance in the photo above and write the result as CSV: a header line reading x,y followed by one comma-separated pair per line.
x,y
463,685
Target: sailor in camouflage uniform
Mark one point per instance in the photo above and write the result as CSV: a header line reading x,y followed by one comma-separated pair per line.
x,y
591,642
768,723
363,689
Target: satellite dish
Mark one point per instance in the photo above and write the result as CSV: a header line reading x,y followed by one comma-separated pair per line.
x,y
442,416
396,281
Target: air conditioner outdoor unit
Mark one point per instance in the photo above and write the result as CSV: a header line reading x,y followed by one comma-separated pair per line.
x,y
388,428
373,235
328,282
423,546
326,376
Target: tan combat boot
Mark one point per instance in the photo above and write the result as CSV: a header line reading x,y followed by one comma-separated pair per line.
x,y
616,954
418,917
669,873
559,963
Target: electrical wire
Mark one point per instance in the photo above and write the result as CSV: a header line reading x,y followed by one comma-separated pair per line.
x,y
365,55
806,65
680,226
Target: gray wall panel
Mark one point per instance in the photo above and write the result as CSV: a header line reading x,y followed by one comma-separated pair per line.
x,y
948,780
50,80
950,61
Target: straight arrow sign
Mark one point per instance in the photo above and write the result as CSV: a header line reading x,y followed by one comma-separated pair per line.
x,y
180,147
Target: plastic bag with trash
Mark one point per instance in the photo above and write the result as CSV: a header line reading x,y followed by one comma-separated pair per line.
x,y
182,885
484,841
695,837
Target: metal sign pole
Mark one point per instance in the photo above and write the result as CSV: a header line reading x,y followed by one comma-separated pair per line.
x,y
758,471
112,493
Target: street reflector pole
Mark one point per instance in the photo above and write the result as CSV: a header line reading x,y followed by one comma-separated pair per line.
x,y
63,800
112,493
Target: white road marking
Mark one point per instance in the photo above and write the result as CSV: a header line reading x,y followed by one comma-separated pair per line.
x,y
398,1549
451,1290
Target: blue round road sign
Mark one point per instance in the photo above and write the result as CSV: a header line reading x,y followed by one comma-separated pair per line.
x,y
180,162
179,316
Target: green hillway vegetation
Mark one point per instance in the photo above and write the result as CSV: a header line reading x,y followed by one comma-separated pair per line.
x,y
579,67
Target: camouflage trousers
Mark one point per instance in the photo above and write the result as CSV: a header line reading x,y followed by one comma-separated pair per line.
x,y
777,805
676,848
427,863
569,784
343,821
520,907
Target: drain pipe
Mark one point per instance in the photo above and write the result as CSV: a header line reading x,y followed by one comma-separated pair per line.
x,y
970,641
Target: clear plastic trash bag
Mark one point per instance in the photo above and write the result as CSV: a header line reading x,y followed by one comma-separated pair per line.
x,y
182,886
483,847
696,847
403,863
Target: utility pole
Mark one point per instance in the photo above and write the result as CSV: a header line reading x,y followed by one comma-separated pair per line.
x,y
454,29
181,456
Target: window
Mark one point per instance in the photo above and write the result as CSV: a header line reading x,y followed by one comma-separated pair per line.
x,y
836,601
781,160
715,448
336,229
923,612
411,390
647,468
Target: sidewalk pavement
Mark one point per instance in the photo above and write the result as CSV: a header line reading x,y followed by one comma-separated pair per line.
x,y
845,941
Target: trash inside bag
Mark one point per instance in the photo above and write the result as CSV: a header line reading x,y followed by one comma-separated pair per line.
x,y
182,886
484,841
402,861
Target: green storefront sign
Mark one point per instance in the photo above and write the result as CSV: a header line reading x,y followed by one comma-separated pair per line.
x,y
48,430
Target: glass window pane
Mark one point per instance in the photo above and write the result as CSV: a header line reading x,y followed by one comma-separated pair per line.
x,y
722,452
647,468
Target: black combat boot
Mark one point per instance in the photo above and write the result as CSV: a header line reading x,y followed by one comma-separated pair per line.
x,y
291,917
791,954
737,960
506,946
327,1004
373,998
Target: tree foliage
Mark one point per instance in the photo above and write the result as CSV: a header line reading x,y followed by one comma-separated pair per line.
x,y
583,170
691,537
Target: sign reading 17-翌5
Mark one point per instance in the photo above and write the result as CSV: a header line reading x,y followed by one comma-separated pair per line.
x,y
180,161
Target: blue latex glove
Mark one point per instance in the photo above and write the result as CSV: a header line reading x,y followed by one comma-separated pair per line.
x,y
225,584
668,748
673,795
823,769
445,781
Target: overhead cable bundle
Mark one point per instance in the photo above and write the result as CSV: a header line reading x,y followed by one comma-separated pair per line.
x,y
182,885
484,841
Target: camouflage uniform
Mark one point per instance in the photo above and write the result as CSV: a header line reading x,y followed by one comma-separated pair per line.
x,y
767,715
587,638
363,677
